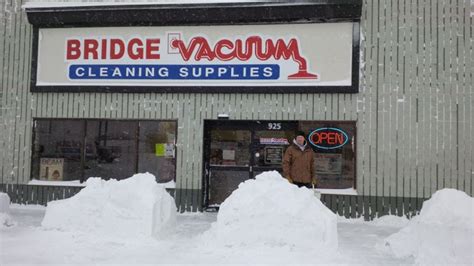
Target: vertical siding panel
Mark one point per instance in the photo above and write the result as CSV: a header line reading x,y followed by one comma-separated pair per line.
x,y
87,105
459,68
340,106
389,98
152,113
23,65
238,106
307,107
461,147
469,32
279,107
393,75
358,109
365,147
6,83
370,91
375,180
70,105
3,89
274,106
442,104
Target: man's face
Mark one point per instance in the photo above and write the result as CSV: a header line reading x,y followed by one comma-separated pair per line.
x,y
300,140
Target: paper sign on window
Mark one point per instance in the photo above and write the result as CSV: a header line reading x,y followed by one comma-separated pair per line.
x,y
164,150
169,150
51,169
228,155
160,149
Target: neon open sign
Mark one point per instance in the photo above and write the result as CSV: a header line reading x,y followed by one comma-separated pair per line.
x,y
328,138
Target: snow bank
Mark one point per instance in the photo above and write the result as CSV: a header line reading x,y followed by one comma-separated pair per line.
x,y
270,211
4,202
5,218
133,207
443,232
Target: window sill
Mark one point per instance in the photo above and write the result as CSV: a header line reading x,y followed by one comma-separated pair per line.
x,y
346,191
74,183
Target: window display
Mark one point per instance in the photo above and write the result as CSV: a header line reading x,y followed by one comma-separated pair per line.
x,y
76,149
333,144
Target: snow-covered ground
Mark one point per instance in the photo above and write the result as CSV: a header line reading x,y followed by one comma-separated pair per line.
x,y
29,243
265,221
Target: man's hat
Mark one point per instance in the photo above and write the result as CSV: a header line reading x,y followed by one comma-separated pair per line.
x,y
300,133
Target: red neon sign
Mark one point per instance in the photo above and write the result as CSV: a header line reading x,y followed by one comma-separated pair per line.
x,y
328,138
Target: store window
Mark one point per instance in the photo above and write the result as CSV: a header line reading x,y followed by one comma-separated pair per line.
x,y
66,150
334,147
157,149
271,146
237,150
230,147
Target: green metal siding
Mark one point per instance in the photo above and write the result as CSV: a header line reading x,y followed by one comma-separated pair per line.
x,y
414,110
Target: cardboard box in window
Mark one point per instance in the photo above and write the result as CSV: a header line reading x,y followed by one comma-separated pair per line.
x,y
51,169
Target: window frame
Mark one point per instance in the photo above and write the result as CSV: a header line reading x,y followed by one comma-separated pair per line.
x,y
84,125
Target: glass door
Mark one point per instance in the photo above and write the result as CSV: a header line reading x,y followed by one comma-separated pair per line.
x,y
235,151
270,141
228,161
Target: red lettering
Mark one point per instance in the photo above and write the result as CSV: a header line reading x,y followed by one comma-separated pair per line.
x,y
104,49
204,51
117,48
323,136
135,49
220,45
241,55
112,49
73,49
330,138
90,48
244,50
340,138
152,46
186,52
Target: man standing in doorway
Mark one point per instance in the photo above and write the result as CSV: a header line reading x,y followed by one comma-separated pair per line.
x,y
298,162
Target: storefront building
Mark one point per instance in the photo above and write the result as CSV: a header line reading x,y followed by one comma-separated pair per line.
x,y
207,95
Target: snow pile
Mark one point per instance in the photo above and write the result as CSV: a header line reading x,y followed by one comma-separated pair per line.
x,y
133,207
4,202
5,219
270,211
443,233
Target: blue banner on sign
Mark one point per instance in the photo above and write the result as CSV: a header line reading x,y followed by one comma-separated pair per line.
x,y
176,72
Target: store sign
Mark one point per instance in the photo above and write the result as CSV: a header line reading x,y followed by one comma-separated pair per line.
x,y
328,138
243,55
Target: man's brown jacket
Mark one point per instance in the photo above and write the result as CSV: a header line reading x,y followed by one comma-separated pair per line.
x,y
298,165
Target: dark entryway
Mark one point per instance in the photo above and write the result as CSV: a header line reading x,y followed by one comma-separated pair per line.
x,y
237,150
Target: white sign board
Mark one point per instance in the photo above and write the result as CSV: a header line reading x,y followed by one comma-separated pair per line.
x,y
237,55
